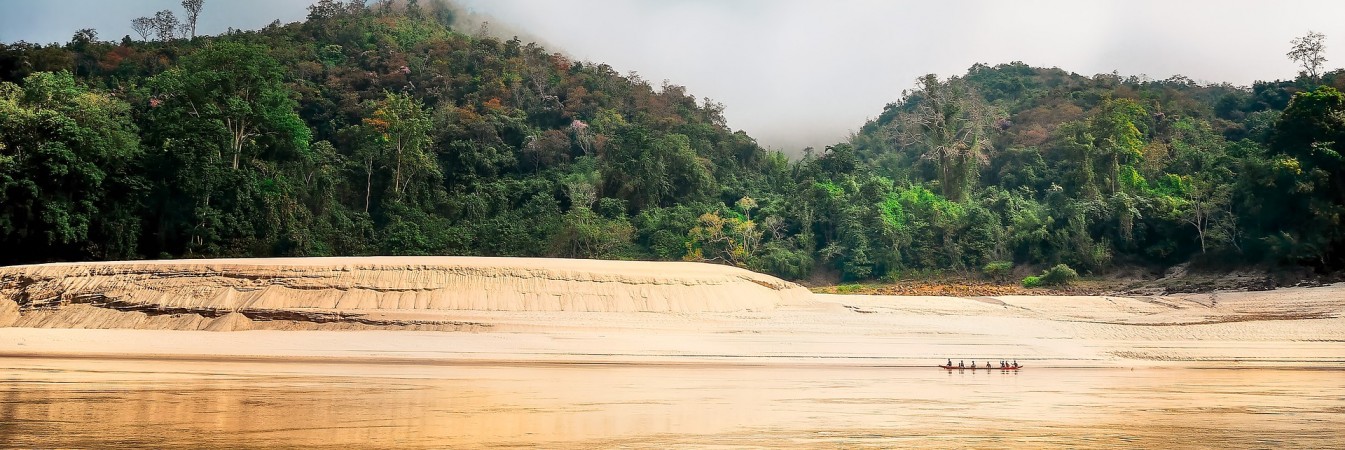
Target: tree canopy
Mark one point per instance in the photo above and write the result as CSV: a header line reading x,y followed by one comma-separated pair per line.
x,y
385,130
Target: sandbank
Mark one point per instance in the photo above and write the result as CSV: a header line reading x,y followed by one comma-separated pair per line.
x,y
450,310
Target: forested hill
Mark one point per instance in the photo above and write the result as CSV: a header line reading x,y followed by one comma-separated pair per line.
x,y
385,130
1025,164
363,130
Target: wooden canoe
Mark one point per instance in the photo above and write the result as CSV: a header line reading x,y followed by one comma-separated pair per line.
x,y
981,367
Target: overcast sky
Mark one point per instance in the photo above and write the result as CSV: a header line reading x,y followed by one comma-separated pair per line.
x,y
796,73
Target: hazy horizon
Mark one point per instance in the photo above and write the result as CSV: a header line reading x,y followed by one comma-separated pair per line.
x,y
795,73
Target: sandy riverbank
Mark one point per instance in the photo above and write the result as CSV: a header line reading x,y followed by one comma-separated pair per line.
x,y
525,311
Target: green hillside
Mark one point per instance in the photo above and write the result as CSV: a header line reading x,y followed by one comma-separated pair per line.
x,y
386,130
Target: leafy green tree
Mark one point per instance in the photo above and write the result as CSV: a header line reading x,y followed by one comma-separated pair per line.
x,y
586,234
649,170
1117,138
935,222
233,94
225,128
1200,190
732,240
1077,144
69,186
1201,205
1302,188
402,128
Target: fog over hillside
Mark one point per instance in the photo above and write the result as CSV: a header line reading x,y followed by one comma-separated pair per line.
x,y
797,73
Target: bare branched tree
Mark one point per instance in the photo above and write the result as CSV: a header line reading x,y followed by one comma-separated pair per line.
x,y
1309,52
143,26
165,25
952,123
193,8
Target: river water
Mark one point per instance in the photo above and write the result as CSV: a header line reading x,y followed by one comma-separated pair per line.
x,y
47,403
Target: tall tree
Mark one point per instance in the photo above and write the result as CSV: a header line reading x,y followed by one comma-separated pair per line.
x,y
1309,51
193,8
143,26
166,26
952,123
1204,186
242,88
1118,138
226,127
1201,205
1076,142
403,125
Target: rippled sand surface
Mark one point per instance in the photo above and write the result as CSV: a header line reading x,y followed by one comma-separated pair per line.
x,y
48,403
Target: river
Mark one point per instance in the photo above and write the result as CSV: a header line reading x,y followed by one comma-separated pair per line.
x,y
91,403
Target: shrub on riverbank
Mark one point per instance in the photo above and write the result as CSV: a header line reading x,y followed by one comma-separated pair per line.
x,y
1060,275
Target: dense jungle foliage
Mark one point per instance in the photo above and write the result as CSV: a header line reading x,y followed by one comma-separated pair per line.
x,y
384,130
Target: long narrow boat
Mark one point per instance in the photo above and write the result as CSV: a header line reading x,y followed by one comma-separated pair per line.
x,y
980,367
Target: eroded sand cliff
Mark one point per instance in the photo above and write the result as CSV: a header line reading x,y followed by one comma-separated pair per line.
x,y
523,311
420,293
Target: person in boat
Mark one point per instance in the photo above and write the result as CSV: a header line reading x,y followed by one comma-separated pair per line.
x,y
1015,364
961,364
950,362
973,364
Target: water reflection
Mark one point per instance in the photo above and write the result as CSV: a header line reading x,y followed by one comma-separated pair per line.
x,y
89,403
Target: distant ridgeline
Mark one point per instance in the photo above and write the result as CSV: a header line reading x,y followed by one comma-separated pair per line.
x,y
383,130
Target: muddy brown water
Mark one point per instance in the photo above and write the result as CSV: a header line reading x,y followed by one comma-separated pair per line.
x,y
46,403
